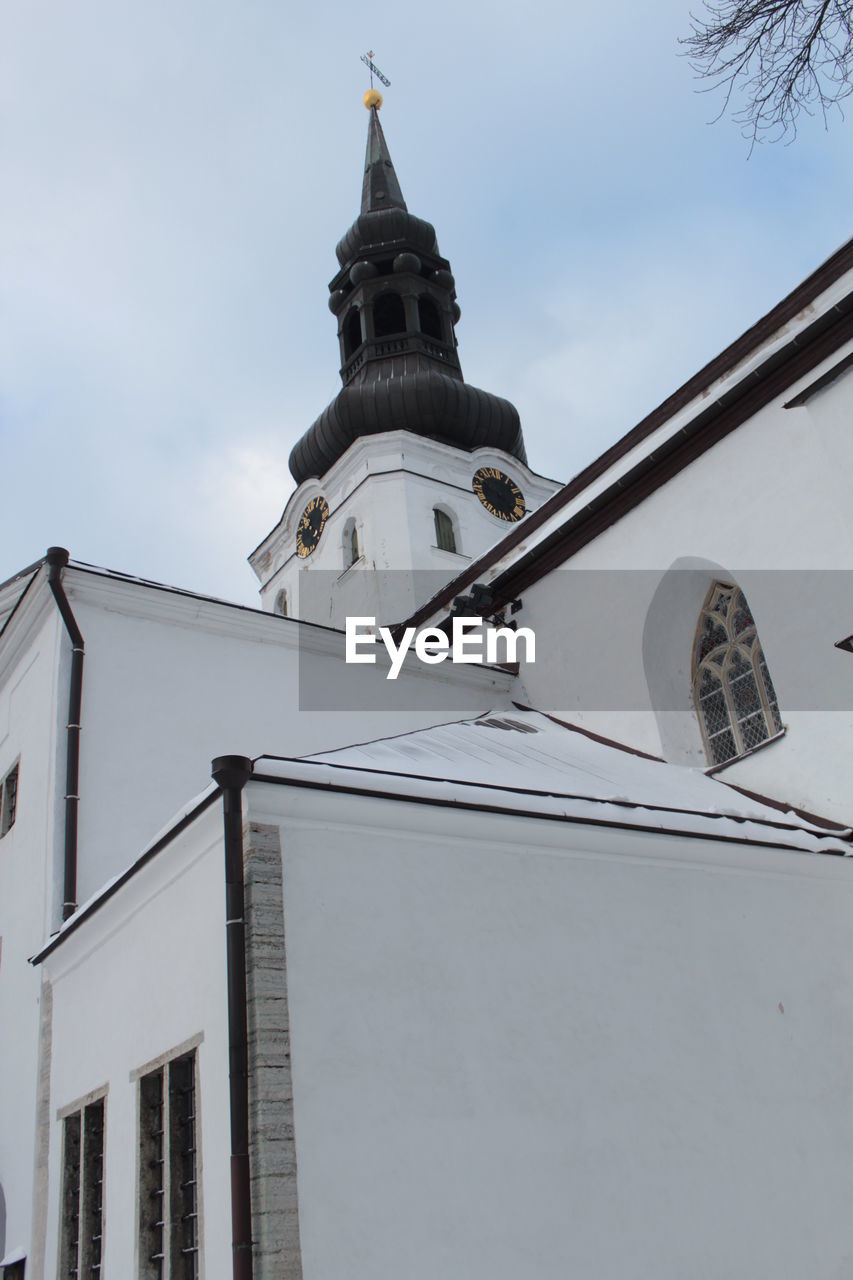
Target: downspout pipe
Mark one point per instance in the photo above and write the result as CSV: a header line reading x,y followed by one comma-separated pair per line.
x,y
232,773
57,560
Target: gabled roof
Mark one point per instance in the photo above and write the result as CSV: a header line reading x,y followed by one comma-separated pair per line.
x,y
785,345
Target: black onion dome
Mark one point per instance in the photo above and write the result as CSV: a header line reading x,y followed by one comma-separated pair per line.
x,y
429,403
386,227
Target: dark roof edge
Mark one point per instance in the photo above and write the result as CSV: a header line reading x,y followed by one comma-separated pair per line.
x,y
20,600
845,832
829,824
22,573
97,571
483,807
596,737
729,411
81,916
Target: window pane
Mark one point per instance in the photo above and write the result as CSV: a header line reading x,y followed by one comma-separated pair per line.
x,y
444,535
92,1198
69,1252
151,1176
727,649
183,1169
722,747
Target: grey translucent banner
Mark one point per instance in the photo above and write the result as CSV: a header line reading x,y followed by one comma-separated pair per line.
x,y
605,640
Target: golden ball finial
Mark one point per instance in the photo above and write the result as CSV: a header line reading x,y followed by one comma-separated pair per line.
x,y
373,98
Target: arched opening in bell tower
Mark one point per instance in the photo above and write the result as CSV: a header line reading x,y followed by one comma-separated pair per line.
x,y
352,332
429,318
389,316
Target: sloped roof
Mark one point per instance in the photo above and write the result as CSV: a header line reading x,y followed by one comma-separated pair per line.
x,y
808,326
527,762
523,763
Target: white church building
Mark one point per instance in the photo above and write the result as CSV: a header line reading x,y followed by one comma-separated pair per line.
x,y
539,967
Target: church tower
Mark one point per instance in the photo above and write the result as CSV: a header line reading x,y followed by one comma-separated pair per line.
x,y
410,472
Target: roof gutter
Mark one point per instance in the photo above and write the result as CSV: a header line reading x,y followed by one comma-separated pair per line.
x,y
232,773
57,560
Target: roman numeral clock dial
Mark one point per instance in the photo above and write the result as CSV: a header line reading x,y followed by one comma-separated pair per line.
x,y
311,525
498,494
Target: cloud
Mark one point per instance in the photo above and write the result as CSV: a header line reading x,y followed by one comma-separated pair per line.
x,y
174,180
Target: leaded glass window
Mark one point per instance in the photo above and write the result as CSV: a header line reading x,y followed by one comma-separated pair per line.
x,y
732,688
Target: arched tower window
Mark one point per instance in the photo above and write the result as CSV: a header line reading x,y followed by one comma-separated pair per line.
x,y
280,606
429,318
350,544
389,315
445,535
732,688
352,332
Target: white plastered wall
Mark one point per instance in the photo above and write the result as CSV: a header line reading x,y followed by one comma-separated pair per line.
x,y
766,507
170,682
529,1048
31,727
142,977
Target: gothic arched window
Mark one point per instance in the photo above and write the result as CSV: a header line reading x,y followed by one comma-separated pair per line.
x,y
732,688
445,534
389,315
281,604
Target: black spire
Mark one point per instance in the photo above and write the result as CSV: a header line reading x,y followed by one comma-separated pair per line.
x,y
395,300
381,189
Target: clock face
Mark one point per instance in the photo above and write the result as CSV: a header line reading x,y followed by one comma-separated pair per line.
x,y
311,524
499,494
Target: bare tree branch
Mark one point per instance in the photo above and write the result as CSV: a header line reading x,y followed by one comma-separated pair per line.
x,y
782,56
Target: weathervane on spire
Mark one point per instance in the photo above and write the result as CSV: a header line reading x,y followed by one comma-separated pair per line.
x,y
373,98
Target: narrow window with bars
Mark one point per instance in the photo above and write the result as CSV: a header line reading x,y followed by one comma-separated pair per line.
x,y
734,694
81,1241
168,1183
8,800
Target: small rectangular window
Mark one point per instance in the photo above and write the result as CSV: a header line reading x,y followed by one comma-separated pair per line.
x,y
168,1182
82,1192
8,800
445,538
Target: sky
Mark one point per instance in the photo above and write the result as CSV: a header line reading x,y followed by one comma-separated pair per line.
x,y
174,179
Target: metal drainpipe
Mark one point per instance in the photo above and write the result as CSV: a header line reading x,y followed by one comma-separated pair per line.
x,y
57,559
232,773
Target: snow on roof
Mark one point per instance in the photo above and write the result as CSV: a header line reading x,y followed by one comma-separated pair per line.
x,y
525,760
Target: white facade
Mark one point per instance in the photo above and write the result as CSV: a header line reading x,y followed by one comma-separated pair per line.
x,y
387,487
